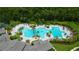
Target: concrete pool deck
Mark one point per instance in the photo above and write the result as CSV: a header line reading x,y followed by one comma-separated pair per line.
x,y
65,35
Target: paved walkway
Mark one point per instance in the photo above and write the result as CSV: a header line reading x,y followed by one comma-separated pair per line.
x,y
75,48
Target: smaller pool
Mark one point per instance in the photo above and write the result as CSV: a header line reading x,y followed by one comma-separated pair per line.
x,y
27,32
56,32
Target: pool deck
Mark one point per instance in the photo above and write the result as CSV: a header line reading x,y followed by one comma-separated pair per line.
x,y
65,32
13,45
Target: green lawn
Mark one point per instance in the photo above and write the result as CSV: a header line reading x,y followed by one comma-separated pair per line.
x,y
65,47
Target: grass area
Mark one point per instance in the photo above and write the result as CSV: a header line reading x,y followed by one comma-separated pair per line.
x,y
65,47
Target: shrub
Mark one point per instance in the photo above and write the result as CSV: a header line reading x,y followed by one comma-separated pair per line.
x,y
9,32
32,22
47,26
21,29
77,37
56,41
12,37
27,41
19,33
68,41
48,34
51,49
8,28
2,25
15,37
64,41
32,44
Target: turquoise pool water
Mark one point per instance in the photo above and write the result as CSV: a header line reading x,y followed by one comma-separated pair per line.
x,y
41,32
28,32
55,31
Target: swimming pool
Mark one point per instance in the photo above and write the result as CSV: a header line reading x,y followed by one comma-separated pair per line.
x,y
41,32
56,32
27,32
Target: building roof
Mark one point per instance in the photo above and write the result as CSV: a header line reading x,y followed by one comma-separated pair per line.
x,y
44,46
19,46
6,45
2,30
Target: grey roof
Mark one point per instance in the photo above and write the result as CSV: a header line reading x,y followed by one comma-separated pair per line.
x,y
18,46
12,46
2,30
44,46
4,37
21,46
6,45
28,48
